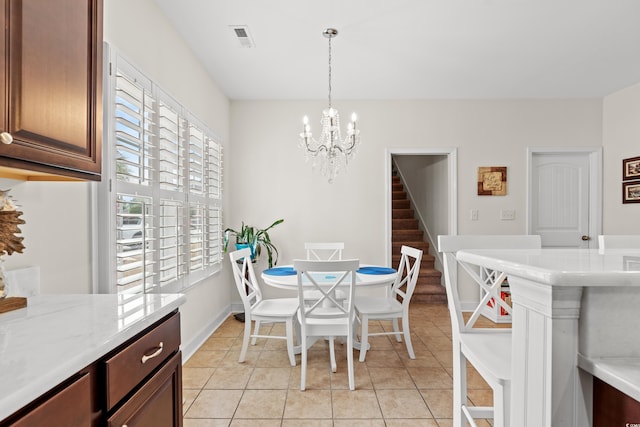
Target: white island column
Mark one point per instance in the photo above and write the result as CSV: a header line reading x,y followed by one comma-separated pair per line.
x,y
546,386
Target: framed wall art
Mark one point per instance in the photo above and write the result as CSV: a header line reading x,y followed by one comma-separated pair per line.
x,y
492,181
631,168
631,192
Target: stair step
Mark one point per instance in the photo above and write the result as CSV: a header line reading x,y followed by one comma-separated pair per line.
x,y
399,195
406,235
397,186
400,204
401,213
429,299
428,261
404,224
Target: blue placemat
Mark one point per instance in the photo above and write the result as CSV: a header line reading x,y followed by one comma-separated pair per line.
x,y
281,271
376,270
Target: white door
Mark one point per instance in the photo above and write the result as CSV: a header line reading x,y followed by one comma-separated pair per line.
x,y
560,199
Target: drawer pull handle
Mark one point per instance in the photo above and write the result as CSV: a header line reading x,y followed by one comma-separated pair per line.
x,y
154,354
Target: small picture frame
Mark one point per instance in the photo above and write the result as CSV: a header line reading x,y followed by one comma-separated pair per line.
x,y
631,192
492,181
631,168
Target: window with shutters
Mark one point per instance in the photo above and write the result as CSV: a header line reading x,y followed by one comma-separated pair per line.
x,y
162,189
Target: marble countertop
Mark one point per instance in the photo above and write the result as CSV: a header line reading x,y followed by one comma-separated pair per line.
x,y
564,267
621,373
55,336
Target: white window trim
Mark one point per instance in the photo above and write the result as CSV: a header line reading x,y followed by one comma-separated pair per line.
x,y
103,199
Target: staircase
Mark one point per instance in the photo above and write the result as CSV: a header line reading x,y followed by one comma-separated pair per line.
x,y
405,231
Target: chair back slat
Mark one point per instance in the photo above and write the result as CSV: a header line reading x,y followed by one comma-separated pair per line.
x,y
321,251
408,271
245,278
325,277
489,281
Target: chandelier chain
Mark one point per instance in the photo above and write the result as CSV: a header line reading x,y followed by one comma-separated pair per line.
x,y
329,72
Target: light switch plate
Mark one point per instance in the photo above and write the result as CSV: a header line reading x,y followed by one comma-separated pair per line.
x,y
507,214
474,215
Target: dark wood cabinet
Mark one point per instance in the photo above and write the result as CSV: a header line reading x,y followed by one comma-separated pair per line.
x,y
158,403
51,89
72,403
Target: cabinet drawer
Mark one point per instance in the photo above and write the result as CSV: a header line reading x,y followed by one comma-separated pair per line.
x,y
158,403
71,406
134,362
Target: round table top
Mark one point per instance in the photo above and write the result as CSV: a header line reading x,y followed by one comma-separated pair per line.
x,y
285,277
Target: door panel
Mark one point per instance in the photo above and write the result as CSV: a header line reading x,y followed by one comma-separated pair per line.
x,y
560,199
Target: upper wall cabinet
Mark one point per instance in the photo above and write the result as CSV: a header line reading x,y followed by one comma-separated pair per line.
x,y
51,89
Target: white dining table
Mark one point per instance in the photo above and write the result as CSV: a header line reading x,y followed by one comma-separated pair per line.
x,y
284,277
568,305
367,276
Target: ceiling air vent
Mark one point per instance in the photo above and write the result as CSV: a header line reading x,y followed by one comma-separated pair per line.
x,y
242,34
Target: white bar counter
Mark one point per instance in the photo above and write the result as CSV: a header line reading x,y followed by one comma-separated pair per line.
x,y
55,336
566,303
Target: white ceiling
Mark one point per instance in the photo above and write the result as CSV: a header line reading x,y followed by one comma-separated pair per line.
x,y
415,49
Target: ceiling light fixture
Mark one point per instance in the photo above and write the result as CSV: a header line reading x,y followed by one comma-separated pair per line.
x,y
330,153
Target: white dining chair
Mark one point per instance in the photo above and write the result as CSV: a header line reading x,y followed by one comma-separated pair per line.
x,y
618,241
259,310
327,316
394,305
324,251
487,349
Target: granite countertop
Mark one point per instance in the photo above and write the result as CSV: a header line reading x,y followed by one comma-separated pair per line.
x,y
55,336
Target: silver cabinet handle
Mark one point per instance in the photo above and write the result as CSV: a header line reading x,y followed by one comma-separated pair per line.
x,y
154,354
6,138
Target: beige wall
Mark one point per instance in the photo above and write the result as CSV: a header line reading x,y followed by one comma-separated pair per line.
x,y
621,140
270,178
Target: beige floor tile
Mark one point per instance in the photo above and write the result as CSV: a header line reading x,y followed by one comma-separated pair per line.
x,y
261,404
188,396
359,423
270,378
232,356
355,404
195,378
306,423
480,397
308,404
206,359
424,358
232,377
254,423
437,343
264,391
440,402
316,379
340,378
445,357
215,404
206,422
382,358
213,343
273,359
411,423
391,378
431,377
402,404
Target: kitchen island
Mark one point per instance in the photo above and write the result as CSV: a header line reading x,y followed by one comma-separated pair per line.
x,y
567,304
56,336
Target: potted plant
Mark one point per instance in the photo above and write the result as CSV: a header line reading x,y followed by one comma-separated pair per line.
x,y
255,239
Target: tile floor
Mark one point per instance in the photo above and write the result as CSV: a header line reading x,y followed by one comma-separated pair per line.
x,y
391,389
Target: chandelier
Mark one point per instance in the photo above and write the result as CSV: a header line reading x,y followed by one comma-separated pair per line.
x,y
330,153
